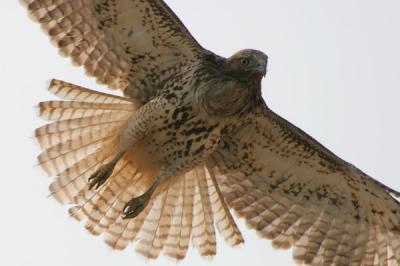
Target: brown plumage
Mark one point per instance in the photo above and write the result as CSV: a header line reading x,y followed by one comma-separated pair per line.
x,y
191,138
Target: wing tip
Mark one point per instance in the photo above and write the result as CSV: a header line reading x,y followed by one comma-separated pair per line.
x,y
115,244
281,245
175,256
25,3
74,213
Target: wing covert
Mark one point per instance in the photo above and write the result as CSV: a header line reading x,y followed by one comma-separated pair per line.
x,y
292,190
131,45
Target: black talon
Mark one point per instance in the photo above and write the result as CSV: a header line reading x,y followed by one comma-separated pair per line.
x,y
101,175
136,205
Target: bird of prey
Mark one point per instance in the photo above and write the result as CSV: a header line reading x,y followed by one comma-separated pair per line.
x,y
190,140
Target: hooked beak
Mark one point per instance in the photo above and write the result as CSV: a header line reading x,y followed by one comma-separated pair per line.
x,y
261,67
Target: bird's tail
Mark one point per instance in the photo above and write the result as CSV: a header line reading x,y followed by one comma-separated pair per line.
x,y
81,137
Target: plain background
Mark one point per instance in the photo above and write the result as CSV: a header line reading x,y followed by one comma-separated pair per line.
x,y
334,71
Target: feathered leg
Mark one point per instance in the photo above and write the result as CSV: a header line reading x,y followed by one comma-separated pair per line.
x,y
133,131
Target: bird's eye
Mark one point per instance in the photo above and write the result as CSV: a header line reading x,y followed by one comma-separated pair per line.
x,y
244,62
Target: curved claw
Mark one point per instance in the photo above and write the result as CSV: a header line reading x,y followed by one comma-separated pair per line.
x,y
103,173
100,176
136,205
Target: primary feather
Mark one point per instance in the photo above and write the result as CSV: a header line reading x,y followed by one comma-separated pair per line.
x,y
191,138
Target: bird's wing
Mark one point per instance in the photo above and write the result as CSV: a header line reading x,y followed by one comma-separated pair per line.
x,y
133,45
292,190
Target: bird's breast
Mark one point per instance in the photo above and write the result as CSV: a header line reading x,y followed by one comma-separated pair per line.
x,y
182,137
193,121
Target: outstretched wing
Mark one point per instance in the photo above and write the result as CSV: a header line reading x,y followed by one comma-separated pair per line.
x,y
133,45
290,189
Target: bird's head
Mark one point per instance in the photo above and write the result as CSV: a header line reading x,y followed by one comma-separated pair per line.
x,y
247,64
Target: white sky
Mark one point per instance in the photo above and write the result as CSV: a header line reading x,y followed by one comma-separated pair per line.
x,y
334,71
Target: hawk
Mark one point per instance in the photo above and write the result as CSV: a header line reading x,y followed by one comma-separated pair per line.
x,y
191,140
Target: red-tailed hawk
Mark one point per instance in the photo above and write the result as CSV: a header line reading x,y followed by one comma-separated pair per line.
x,y
191,139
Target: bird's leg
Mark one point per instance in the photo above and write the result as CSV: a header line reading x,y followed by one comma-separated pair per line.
x,y
103,173
137,205
131,133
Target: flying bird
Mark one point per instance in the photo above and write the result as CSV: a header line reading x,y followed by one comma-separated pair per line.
x,y
191,140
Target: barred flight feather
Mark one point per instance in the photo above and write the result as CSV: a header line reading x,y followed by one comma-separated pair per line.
x,y
105,48
287,186
81,137
329,217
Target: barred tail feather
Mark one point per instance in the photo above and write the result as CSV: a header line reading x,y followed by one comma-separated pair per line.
x,y
183,212
81,137
68,91
178,240
64,130
167,224
203,220
224,221
157,224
